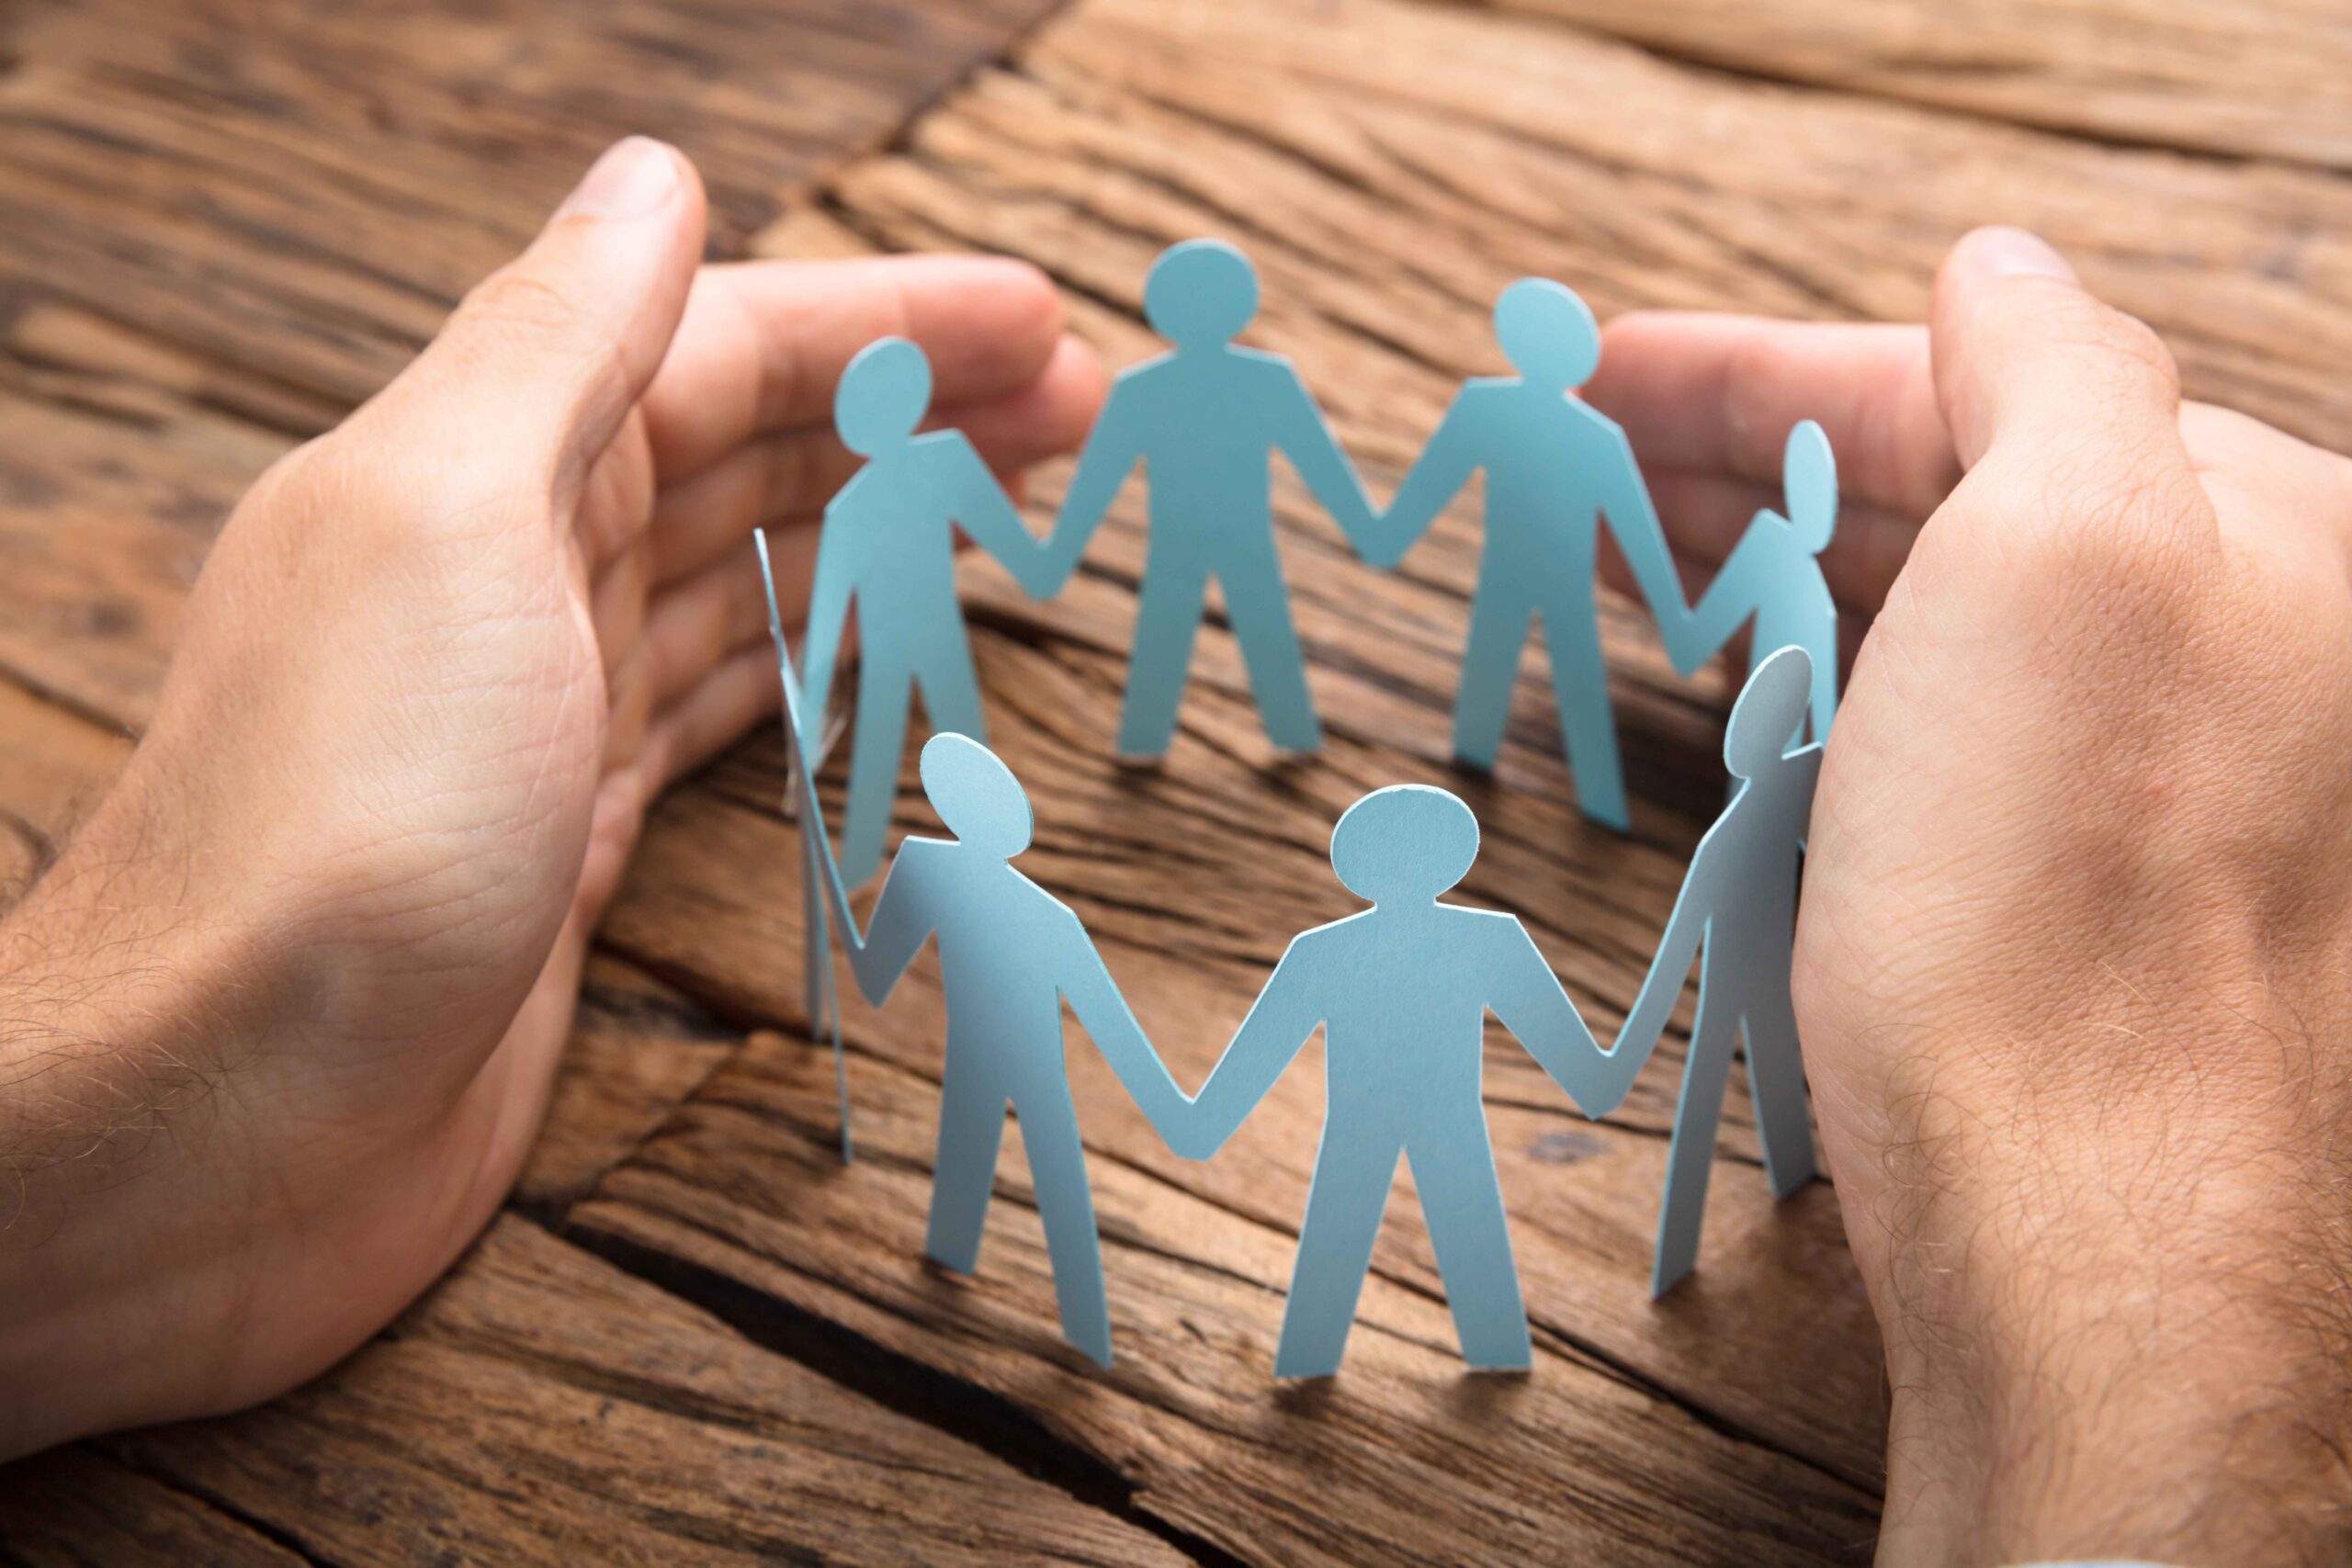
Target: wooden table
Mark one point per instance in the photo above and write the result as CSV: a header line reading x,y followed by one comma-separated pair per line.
x,y
694,1334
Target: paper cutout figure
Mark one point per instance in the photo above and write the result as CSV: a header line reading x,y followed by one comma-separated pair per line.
x,y
817,970
1738,904
1554,468
1204,420
1401,991
1008,953
888,546
1774,574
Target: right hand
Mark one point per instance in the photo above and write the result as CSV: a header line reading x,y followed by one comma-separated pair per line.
x,y
2072,965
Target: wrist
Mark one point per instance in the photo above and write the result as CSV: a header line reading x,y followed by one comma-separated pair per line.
x,y
135,987
2120,1343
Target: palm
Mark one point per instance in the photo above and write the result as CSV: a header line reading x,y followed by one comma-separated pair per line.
x,y
523,663
653,555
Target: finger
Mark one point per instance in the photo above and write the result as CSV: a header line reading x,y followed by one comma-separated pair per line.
x,y
710,514
1706,514
712,716
542,361
696,626
764,342
2024,352
1702,392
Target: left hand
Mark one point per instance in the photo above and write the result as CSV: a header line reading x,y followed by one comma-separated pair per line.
x,y
326,933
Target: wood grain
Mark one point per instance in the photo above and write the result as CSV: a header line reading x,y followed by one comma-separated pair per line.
x,y
223,223
1390,166
542,1406
1404,1456
74,1507
2265,79
297,194
1334,141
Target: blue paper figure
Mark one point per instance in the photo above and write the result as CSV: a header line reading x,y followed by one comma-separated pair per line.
x,y
1402,990
1204,420
888,545
1554,468
1008,953
1739,902
823,1007
1774,574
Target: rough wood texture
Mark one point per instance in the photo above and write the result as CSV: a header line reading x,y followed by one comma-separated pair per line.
x,y
2268,79
542,1406
222,223
299,193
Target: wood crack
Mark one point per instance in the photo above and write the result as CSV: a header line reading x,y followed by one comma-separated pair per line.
x,y
898,1382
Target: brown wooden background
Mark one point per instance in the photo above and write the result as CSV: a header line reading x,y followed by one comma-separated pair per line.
x,y
694,1334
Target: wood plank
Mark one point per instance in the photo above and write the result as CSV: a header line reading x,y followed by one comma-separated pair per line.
x,y
1391,167
73,1506
297,194
57,767
1331,139
1404,1457
2259,78
638,1050
112,487
1192,880
541,1406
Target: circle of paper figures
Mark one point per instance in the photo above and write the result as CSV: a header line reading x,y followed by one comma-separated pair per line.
x,y
1401,988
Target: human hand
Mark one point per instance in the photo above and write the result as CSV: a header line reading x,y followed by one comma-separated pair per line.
x,y
2072,965
275,1033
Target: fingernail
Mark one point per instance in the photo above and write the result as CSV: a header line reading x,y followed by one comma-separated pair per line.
x,y
2006,252
635,176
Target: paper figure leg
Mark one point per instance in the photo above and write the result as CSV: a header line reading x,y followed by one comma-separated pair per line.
x,y
1463,1204
1825,686
1165,623
1696,1117
951,691
1580,686
883,695
1776,1084
971,1130
1343,1208
1058,1171
1257,605
1489,670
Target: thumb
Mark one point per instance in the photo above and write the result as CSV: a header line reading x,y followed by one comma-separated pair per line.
x,y
545,357
2025,356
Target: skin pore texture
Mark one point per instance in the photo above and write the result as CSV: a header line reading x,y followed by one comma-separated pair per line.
x,y
2071,969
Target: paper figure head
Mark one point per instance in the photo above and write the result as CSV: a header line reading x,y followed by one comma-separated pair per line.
x,y
883,395
1809,476
977,796
1769,708
1407,843
1200,293
1548,333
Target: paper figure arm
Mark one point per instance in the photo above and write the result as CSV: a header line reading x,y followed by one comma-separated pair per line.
x,y
986,514
1444,466
903,915
1646,1020
1113,449
1533,1005
1632,521
1809,761
828,598
1270,1038
1304,435
1729,599
1108,1019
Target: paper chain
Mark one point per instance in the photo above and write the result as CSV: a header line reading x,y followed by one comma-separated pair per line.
x,y
1403,1050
